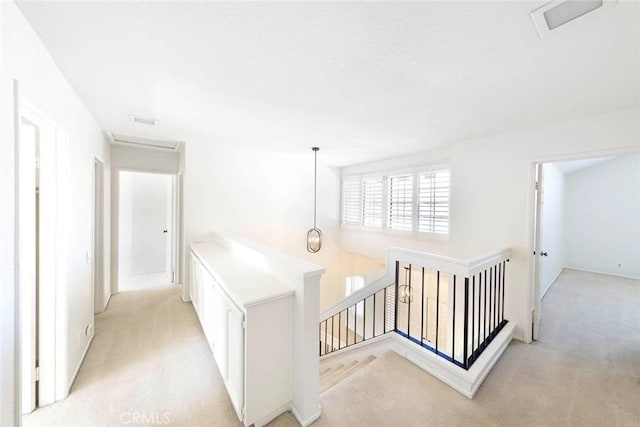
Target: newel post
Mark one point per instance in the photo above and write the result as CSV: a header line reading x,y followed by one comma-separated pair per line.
x,y
306,363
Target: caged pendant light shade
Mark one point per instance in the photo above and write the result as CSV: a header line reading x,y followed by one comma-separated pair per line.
x,y
314,235
406,291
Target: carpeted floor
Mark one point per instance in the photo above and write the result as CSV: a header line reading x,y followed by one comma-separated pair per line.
x,y
149,358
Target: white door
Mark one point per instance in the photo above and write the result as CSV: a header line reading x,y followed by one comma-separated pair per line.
x,y
170,230
27,263
537,241
149,231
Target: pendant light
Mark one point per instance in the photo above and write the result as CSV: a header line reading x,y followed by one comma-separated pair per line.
x,y
406,291
314,235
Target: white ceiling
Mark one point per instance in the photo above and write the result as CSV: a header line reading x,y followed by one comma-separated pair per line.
x,y
572,166
362,80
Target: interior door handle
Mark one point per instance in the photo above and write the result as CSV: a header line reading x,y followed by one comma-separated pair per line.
x,y
543,254
164,231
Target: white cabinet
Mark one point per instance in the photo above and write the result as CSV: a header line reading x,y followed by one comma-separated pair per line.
x,y
246,316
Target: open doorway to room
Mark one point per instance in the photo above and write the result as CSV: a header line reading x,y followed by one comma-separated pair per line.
x,y
38,259
586,268
147,204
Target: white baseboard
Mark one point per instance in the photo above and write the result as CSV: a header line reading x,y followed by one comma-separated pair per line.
x,y
106,303
306,422
466,382
606,273
552,282
75,373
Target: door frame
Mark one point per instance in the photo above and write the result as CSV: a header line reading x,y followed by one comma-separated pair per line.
x,y
52,340
532,309
97,234
178,224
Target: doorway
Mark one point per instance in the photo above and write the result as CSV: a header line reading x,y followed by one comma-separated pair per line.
x,y
584,220
147,210
99,299
37,258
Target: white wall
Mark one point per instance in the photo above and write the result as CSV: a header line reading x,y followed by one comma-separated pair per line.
x,y
602,228
552,227
43,86
264,196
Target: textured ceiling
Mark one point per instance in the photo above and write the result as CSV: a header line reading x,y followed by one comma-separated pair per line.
x,y
361,80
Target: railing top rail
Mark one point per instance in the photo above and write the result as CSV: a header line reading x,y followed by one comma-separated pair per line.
x,y
442,263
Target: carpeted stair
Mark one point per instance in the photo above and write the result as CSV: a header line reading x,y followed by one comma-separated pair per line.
x,y
329,377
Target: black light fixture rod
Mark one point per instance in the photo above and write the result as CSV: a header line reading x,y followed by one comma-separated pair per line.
x,y
315,183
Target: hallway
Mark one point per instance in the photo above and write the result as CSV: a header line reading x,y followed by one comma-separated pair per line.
x,y
150,359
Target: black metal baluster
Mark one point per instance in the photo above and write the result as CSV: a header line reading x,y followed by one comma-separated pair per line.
x,y
479,304
395,311
332,332
437,306
384,312
473,312
422,312
364,319
320,340
490,300
453,338
495,298
340,330
374,315
325,335
484,314
466,321
355,323
409,304
503,274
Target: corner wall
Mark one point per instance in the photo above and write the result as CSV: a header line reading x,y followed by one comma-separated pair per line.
x,y
602,228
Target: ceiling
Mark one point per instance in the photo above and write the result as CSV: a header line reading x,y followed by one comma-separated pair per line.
x,y
363,80
572,166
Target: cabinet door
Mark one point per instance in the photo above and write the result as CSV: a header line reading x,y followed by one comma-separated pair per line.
x,y
193,277
208,307
220,328
235,358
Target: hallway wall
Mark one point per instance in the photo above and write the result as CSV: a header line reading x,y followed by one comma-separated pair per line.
x,y
42,84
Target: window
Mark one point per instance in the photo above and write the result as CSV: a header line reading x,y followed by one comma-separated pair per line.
x,y
351,198
372,200
433,202
413,200
401,202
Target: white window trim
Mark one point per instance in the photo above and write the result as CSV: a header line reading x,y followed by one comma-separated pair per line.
x,y
415,170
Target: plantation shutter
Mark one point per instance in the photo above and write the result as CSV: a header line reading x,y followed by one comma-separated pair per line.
x,y
401,202
351,201
372,200
433,206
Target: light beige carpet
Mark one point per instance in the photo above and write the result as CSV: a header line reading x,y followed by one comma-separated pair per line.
x,y
150,357
149,362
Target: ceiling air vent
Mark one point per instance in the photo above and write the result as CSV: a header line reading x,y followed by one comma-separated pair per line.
x,y
158,144
143,120
558,13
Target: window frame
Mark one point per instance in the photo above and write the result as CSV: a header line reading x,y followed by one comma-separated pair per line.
x,y
415,172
